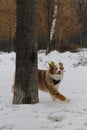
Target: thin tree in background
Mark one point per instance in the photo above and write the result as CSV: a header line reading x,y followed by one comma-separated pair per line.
x,y
7,23
81,6
45,17
54,17
68,24
7,20
10,37
26,85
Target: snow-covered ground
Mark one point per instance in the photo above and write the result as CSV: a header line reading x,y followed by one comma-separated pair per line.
x,y
47,114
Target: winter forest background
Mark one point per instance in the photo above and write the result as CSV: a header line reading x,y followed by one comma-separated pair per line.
x,y
70,29
59,27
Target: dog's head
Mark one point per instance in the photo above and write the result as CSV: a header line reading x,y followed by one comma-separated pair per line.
x,y
56,71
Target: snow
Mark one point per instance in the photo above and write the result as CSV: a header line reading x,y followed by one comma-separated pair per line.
x,y
47,114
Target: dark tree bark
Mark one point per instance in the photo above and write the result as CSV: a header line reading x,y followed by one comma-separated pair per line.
x,y
44,22
26,86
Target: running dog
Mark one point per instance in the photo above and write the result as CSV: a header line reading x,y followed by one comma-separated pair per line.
x,y
49,81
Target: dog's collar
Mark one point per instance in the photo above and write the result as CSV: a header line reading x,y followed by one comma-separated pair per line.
x,y
56,81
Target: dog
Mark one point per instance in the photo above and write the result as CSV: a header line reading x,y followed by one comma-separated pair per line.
x,y
49,81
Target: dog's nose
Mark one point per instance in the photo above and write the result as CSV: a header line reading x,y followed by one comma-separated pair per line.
x,y
59,72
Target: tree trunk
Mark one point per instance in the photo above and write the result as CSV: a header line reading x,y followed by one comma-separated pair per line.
x,y
26,85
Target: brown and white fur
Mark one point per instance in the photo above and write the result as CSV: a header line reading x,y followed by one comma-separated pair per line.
x,y
49,81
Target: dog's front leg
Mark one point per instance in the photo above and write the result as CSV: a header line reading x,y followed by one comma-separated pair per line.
x,y
56,95
54,92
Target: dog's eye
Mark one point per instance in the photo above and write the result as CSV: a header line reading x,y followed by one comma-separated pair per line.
x,y
56,68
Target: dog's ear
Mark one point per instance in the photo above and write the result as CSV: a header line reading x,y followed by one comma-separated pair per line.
x,y
60,63
61,66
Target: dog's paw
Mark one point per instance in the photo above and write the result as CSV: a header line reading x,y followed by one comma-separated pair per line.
x,y
67,100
